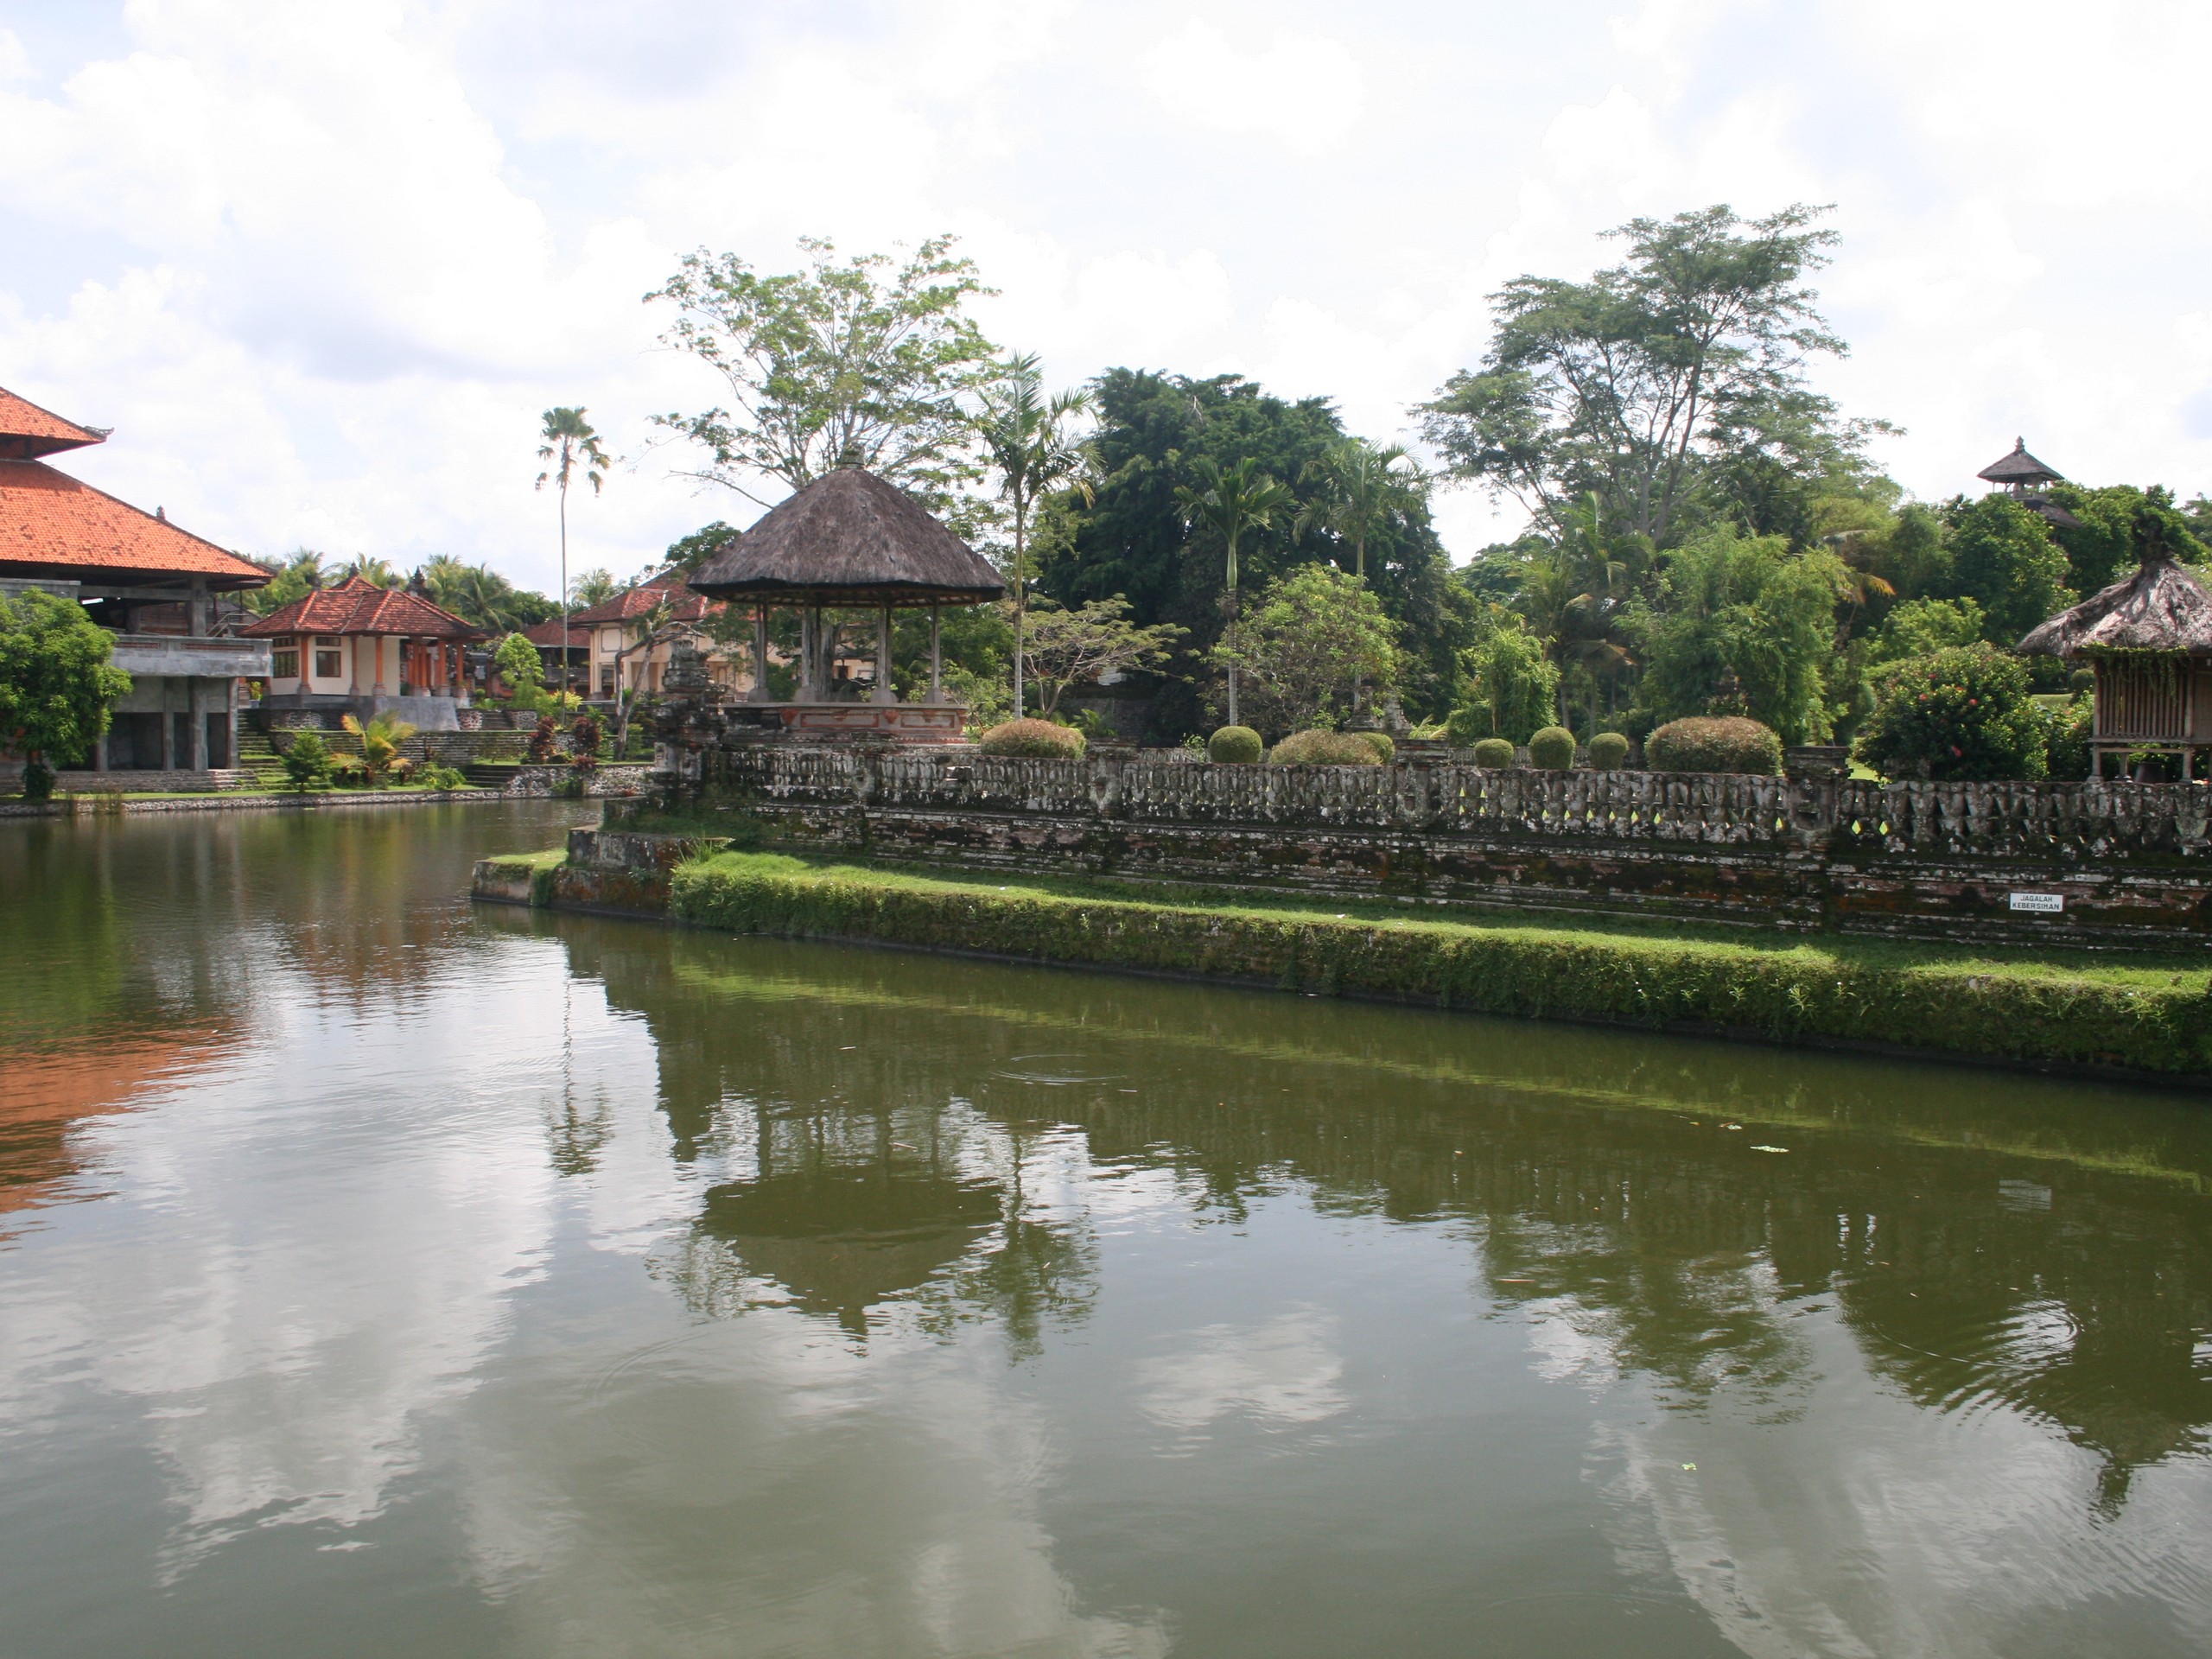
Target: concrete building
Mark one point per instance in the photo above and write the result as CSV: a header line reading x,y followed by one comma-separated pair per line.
x,y
156,588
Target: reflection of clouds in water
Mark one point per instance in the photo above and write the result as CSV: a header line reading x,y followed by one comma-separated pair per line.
x,y
1902,1532
286,1330
1284,1374
762,1483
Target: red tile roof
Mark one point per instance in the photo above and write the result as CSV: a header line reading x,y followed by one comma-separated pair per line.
x,y
684,606
52,526
548,634
27,431
358,607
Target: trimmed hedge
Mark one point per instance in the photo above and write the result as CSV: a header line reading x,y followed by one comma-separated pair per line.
x,y
1608,750
1494,754
1381,743
1714,743
1804,992
1553,749
1236,746
1033,739
1324,749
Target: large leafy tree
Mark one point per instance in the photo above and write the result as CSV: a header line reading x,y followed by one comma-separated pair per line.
x,y
1036,448
857,362
56,683
1096,641
1665,385
569,446
1510,686
1315,635
2001,556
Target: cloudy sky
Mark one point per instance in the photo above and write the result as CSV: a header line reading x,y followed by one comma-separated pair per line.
x,y
321,267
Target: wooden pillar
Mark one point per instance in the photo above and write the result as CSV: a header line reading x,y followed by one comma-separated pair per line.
x,y
760,692
937,656
886,693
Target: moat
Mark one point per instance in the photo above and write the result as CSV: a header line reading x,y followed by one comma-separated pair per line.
x,y
380,1273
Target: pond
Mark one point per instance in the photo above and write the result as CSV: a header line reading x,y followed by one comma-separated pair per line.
x,y
380,1273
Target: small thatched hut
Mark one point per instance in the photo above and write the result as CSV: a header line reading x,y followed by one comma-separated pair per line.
x,y
847,541
2149,641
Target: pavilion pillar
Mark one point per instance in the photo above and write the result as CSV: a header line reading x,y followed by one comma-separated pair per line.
x,y
937,656
810,629
760,692
376,645
886,693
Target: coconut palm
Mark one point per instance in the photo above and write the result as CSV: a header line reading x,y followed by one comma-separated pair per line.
x,y
1363,488
377,573
569,446
1034,445
1229,500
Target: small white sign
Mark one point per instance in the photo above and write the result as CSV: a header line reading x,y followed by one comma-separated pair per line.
x,y
2049,903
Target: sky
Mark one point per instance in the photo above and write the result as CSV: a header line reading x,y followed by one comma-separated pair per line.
x,y
322,267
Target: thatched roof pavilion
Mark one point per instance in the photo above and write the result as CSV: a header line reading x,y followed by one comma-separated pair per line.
x,y
2024,475
848,540
2149,640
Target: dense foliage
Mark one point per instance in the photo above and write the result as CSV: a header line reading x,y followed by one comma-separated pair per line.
x,y
1962,714
1322,748
56,683
1315,636
1033,739
1725,743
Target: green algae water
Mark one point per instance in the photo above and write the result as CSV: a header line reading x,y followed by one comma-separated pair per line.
x,y
380,1274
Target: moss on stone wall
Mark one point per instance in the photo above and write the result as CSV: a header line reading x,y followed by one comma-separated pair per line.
x,y
2143,1017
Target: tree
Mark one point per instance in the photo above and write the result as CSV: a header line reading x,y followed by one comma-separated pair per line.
x,y
1316,633
307,763
595,586
640,633
380,739
835,365
1511,686
1035,449
1743,626
377,573
1362,487
688,553
522,666
1963,713
1921,627
569,446
478,594
2001,556
294,578
1096,641
56,685
1228,501
1646,385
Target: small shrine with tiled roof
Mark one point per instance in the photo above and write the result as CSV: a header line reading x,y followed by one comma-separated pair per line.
x,y
2025,476
357,648
154,587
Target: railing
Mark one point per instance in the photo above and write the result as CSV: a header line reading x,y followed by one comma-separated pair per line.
x,y
2041,821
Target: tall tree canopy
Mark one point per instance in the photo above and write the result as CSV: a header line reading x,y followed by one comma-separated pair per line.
x,y
859,361
1670,386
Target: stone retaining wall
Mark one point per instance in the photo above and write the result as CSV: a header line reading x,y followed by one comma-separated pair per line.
x,y
2123,862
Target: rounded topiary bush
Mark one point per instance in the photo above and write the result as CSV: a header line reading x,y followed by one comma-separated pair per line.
x,y
1494,752
1236,746
1385,750
1553,749
1714,743
1033,739
1607,751
1324,749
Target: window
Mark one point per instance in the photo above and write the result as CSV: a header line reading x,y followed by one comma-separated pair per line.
x,y
284,662
329,663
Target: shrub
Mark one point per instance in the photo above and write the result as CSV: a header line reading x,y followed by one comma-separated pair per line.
x,y
584,742
348,771
1380,742
401,768
1608,750
2066,745
1236,746
308,763
1494,753
38,781
1714,743
1033,739
1552,748
543,740
1317,748
441,777
1960,714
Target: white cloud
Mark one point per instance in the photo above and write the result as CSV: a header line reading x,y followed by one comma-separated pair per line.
x,y
1303,90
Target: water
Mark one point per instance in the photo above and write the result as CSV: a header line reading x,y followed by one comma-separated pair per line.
x,y
381,1275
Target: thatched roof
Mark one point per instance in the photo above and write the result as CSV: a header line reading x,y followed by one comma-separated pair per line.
x,y
848,539
2161,607
2020,467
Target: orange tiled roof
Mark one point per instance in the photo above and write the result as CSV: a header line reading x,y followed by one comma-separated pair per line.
x,y
52,526
548,634
684,606
27,431
358,607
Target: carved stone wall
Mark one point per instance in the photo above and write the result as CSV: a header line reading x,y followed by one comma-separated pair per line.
x,y
2124,862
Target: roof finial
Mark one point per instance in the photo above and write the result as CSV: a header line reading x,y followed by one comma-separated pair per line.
x,y
2020,445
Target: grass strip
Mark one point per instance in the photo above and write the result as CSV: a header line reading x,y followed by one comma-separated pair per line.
x,y
2150,1018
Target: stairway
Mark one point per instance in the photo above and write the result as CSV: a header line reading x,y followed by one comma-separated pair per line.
x,y
257,759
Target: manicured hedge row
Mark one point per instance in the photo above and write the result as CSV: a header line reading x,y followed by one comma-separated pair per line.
x,y
1804,992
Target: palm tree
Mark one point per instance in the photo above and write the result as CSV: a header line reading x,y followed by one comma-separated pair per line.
x,y
569,444
1033,444
1363,489
377,573
1229,501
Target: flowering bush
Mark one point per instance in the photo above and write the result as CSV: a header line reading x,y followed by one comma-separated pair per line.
x,y
1959,714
